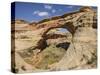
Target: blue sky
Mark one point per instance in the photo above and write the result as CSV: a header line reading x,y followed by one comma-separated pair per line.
x,y
37,11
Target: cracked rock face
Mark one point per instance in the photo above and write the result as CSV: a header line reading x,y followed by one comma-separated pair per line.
x,y
76,49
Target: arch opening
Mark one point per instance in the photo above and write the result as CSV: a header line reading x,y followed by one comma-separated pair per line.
x,y
59,37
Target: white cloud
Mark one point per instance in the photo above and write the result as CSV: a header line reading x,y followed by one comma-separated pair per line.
x,y
53,11
36,12
43,14
40,13
47,7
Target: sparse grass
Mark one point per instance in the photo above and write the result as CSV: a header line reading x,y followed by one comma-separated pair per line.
x,y
93,59
51,55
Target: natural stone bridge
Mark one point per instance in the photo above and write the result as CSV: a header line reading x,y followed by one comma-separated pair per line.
x,y
85,17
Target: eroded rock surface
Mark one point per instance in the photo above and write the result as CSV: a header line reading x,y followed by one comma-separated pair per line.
x,y
77,48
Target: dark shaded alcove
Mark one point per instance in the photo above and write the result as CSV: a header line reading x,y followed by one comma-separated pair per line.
x,y
63,45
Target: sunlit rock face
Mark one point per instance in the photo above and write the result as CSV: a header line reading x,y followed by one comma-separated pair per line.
x,y
70,40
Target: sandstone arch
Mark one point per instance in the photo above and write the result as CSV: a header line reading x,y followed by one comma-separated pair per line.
x,y
68,26
82,25
72,22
